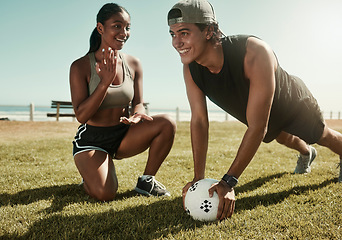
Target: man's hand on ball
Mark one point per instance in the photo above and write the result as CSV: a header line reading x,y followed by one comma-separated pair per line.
x,y
226,199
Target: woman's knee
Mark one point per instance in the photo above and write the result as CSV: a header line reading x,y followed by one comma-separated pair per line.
x,y
102,193
98,171
167,123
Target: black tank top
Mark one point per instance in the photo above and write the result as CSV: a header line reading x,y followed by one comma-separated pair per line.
x,y
229,88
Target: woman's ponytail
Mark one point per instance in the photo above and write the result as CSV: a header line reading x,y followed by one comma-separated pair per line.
x,y
95,41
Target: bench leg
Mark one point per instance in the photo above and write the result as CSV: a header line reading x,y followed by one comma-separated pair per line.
x,y
57,113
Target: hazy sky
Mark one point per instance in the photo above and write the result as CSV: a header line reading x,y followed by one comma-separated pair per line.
x,y
41,38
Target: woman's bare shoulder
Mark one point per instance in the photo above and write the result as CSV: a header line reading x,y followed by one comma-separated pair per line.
x,y
132,61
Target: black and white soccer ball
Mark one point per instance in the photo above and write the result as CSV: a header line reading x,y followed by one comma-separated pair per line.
x,y
197,202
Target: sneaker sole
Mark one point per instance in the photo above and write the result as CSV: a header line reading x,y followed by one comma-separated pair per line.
x,y
143,192
138,190
302,172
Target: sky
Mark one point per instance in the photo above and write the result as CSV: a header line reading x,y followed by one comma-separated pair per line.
x,y
41,38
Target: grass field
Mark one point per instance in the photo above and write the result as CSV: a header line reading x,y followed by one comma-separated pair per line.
x,y
40,196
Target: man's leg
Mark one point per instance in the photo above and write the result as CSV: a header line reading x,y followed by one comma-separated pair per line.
x,y
332,140
307,153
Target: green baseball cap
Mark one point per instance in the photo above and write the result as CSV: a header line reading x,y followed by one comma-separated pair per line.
x,y
192,11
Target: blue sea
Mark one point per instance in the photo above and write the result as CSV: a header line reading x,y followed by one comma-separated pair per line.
x,y
22,113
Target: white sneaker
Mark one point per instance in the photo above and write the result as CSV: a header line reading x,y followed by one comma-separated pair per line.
x,y
304,161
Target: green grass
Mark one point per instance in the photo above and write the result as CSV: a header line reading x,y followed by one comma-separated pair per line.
x,y
40,197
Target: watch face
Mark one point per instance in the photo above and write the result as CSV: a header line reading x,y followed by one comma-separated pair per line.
x,y
230,180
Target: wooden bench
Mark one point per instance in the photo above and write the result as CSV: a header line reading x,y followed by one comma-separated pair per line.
x,y
59,105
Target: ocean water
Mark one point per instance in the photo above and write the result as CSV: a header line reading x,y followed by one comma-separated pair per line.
x,y
22,113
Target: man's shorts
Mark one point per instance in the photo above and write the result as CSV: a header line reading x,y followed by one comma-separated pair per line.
x,y
308,123
106,139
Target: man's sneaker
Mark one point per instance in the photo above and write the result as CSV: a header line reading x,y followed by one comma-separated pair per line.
x,y
149,186
304,161
340,177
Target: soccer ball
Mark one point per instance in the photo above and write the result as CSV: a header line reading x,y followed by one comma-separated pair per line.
x,y
197,202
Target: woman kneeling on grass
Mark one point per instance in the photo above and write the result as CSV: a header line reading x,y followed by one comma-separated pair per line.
x,y
103,84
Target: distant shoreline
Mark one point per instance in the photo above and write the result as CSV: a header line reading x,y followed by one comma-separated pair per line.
x,y
22,113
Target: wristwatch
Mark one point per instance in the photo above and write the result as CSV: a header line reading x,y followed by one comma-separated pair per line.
x,y
230,180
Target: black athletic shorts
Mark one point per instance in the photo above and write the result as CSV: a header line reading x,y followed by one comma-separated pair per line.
x,y
307,124
106,139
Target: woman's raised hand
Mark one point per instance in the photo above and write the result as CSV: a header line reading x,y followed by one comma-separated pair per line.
x,y
106,68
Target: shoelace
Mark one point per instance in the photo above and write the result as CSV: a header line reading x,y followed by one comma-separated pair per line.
x,y
305,160
155,183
